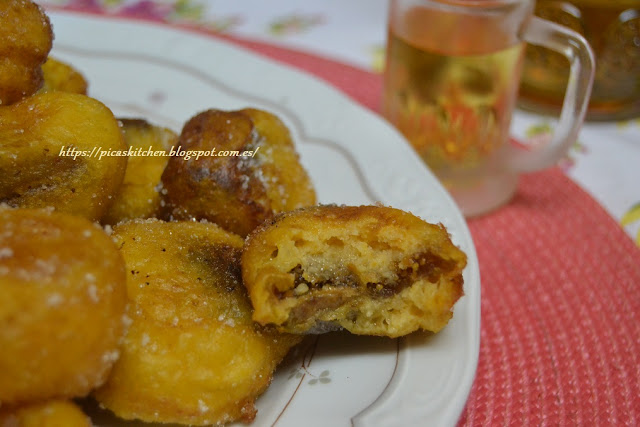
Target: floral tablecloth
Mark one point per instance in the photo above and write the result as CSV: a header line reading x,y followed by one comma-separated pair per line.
x,y
605,160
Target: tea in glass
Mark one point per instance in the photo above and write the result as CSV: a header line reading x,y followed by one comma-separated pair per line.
x,y
452,100
450,86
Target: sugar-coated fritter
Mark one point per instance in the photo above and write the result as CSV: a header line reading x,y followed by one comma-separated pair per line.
x,y
192,354
372,270
236,192
62,305
51,413
60,76
25,41
139,195
50,145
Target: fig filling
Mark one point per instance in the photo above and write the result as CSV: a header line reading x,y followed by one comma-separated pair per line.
x,y
425,265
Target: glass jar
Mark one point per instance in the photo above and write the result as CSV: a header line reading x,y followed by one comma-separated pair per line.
x,y
612,28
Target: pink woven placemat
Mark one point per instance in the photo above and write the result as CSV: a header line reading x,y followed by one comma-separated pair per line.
x,y
560,337
560,333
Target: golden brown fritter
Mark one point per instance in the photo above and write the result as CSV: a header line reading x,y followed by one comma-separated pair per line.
x,y
236,192
372,270
192,354
25,41
51,413
60,76
50,147
139,195
62,304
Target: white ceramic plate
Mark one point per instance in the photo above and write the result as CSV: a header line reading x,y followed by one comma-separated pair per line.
x,y
166,76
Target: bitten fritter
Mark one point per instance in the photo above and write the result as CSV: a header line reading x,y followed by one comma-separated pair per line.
x,y
192,354
51,413
50,148
236,192
139,195
26,38
371,270
62,305
60,76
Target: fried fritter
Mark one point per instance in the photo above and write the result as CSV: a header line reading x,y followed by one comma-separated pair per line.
x,y
236,192
60,76
25,41
62,305
52,413
50,145
372,270
139,195
192,354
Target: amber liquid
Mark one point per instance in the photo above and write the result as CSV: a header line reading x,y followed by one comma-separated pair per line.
x,y
452,99
612,28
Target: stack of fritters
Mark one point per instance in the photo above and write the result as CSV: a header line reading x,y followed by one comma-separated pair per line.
x,y
128,278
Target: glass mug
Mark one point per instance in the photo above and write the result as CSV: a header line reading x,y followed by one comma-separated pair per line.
x,y
612,28
450,86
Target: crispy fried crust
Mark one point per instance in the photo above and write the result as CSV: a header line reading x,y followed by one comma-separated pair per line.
x,y
37,168
51,413
238,193
192,354
25,41
62,77
62,303
139,195
372,270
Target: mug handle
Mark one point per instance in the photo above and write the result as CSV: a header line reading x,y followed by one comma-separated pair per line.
x,y
576,98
